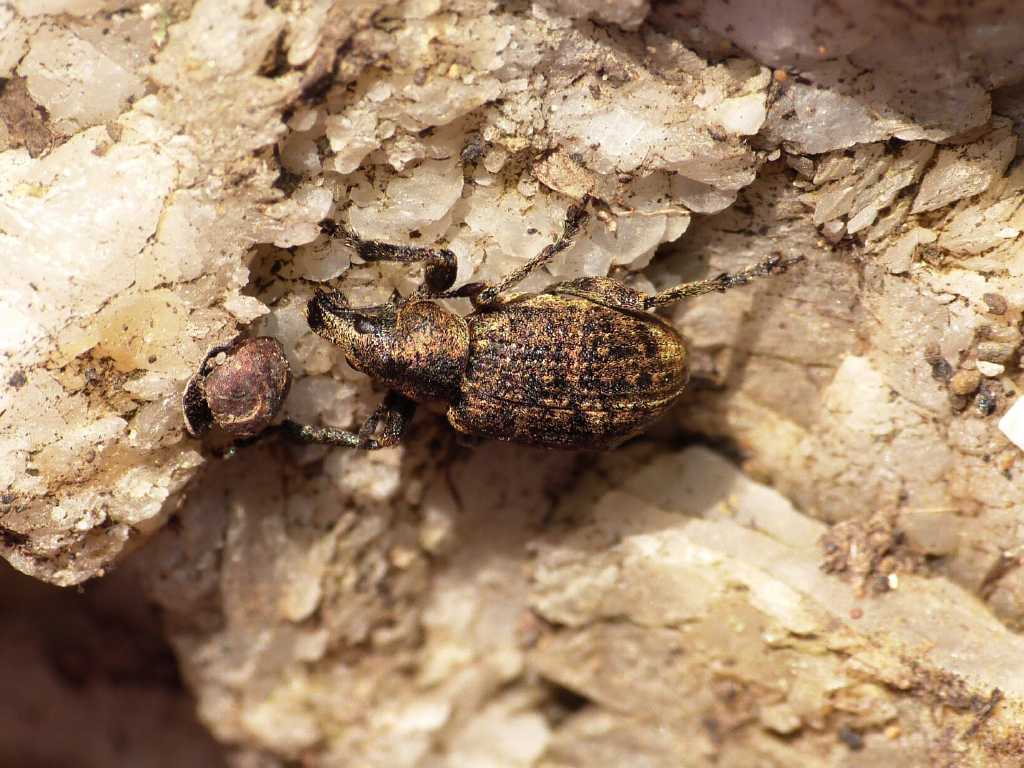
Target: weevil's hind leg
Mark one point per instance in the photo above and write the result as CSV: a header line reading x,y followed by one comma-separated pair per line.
x,y
483,296
440,264
385,427
773,265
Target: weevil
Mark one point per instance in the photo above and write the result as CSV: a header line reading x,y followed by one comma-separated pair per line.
x,y
584,364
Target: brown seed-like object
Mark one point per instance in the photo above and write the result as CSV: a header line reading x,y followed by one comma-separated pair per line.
x,y
997,305
965,382
239,387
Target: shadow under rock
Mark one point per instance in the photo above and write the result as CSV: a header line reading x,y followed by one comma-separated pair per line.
x,y
88,680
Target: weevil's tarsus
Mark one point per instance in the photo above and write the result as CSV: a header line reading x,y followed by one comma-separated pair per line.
x,y
385,427
773,265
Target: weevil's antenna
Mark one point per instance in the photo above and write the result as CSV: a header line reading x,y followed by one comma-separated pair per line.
x,y
773,265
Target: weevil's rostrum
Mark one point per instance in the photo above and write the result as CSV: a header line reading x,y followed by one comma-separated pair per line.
x,y
583,365
416,348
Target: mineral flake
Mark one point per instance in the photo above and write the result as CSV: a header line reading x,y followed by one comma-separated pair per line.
x,y
76,83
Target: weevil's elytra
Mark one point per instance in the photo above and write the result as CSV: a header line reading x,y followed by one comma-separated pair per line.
x,y
583,365
563,371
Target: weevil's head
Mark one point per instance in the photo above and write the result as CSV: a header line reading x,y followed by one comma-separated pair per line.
x,y
415,347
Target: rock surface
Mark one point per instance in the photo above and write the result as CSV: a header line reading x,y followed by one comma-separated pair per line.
x,y
163,171
668,609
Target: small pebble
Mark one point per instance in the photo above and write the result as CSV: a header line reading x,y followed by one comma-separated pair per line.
x,y
986,368
996,351
834,230
996,304
780,718
965,382
851,738
1006,459
941,369
1007,333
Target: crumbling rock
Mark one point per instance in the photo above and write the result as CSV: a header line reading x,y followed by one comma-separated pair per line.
x,y
164,169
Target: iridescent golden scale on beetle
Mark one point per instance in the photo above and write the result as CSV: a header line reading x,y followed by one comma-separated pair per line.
x,y
583,365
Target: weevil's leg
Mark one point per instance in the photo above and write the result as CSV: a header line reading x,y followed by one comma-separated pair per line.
x,y
473,291
482,296
307,433
440,264
773,265
385,427
388,423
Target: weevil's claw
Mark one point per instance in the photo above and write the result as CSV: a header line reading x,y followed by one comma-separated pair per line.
x,y
576,217
776,264
337,231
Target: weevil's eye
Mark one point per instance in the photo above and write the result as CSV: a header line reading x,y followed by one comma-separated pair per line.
x,y
364,325
373,319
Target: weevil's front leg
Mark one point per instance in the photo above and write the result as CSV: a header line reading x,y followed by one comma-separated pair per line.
x,y
773,265
483,296
385,427
440,264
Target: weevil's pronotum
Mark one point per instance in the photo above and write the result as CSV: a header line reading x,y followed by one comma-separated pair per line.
x,y
584,364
